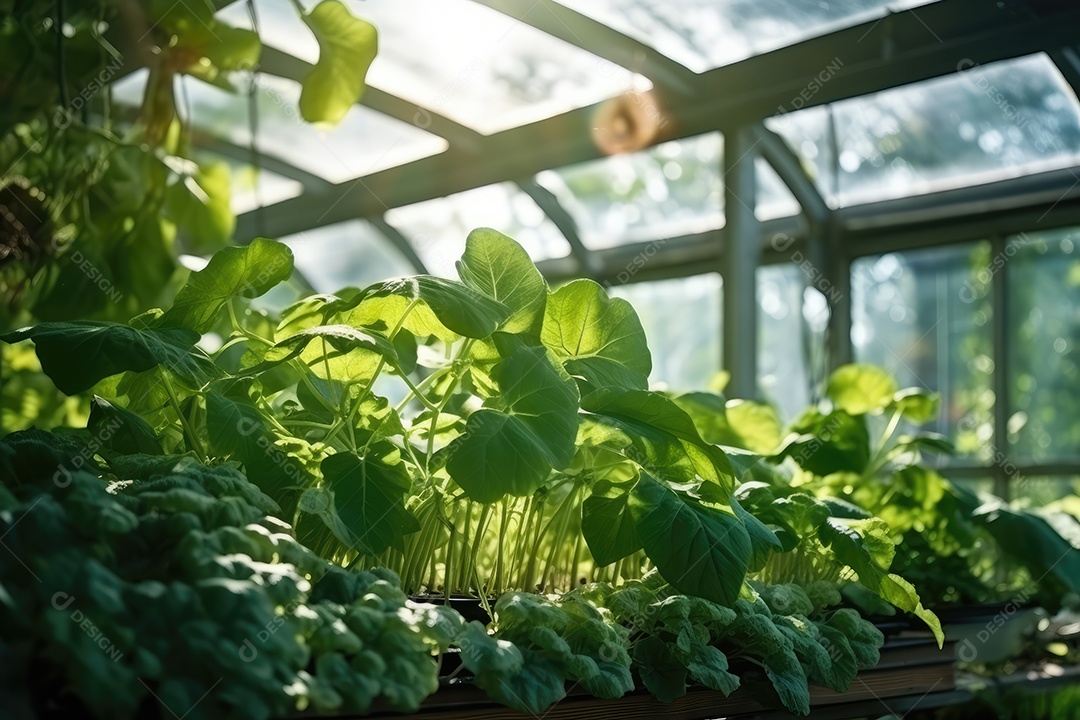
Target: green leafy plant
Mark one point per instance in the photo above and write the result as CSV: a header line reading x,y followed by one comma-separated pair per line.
x,y
836,494
522,441
99,200
156,585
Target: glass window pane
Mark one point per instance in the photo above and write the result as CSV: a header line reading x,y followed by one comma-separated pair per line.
x,y
481,67
365,141
437,228
807,133
669,190
1043,275
1002,120
1041,491
774,199
704,34
925,317
785,338
348,254
976,485
682,322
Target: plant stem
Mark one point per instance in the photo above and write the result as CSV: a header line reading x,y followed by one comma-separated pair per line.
x,y
192,438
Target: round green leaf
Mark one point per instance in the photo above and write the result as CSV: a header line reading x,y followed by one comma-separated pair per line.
x,y
860,388
347,47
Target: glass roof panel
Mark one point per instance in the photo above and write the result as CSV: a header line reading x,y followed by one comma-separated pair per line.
x,y
682,319
364,142
668,190
348,254
704,34
251,188
437,228
479,66
1003,120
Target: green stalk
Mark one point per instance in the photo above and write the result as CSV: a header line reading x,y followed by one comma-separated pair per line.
x,y
192,437
521,541
478,538
504,538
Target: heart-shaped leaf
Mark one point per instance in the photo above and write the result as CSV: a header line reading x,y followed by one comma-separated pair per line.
x,y
347,47
369,496
860,388
529,428
76,355
245,272
582,323
495,265
698,549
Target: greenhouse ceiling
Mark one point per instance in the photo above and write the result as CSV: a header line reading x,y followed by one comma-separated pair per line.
x,y
514,105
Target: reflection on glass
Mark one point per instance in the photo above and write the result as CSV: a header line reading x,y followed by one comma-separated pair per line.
x,y
704,34
481,67
348,254
682,321
437,228
925,317
668,190
1043,273
790,329
1001,120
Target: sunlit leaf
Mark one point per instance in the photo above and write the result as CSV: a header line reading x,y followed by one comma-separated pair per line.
x,y
347,47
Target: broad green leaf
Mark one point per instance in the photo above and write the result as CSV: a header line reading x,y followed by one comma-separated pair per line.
x,y
333,352
121,430
369,495
237,429
917,405
865,547
524,432
700,550
434,306
581,322
347,46
708,411
227,48
827,444
737,423
664,676
234,427
860,388
789,680
709,666
495,265
597,373
1031,539
763,541
76,355
483,654
607,525
245,272
665,439
532,689
756,423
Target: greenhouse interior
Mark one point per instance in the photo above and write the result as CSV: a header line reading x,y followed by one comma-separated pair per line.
x,y
539,358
